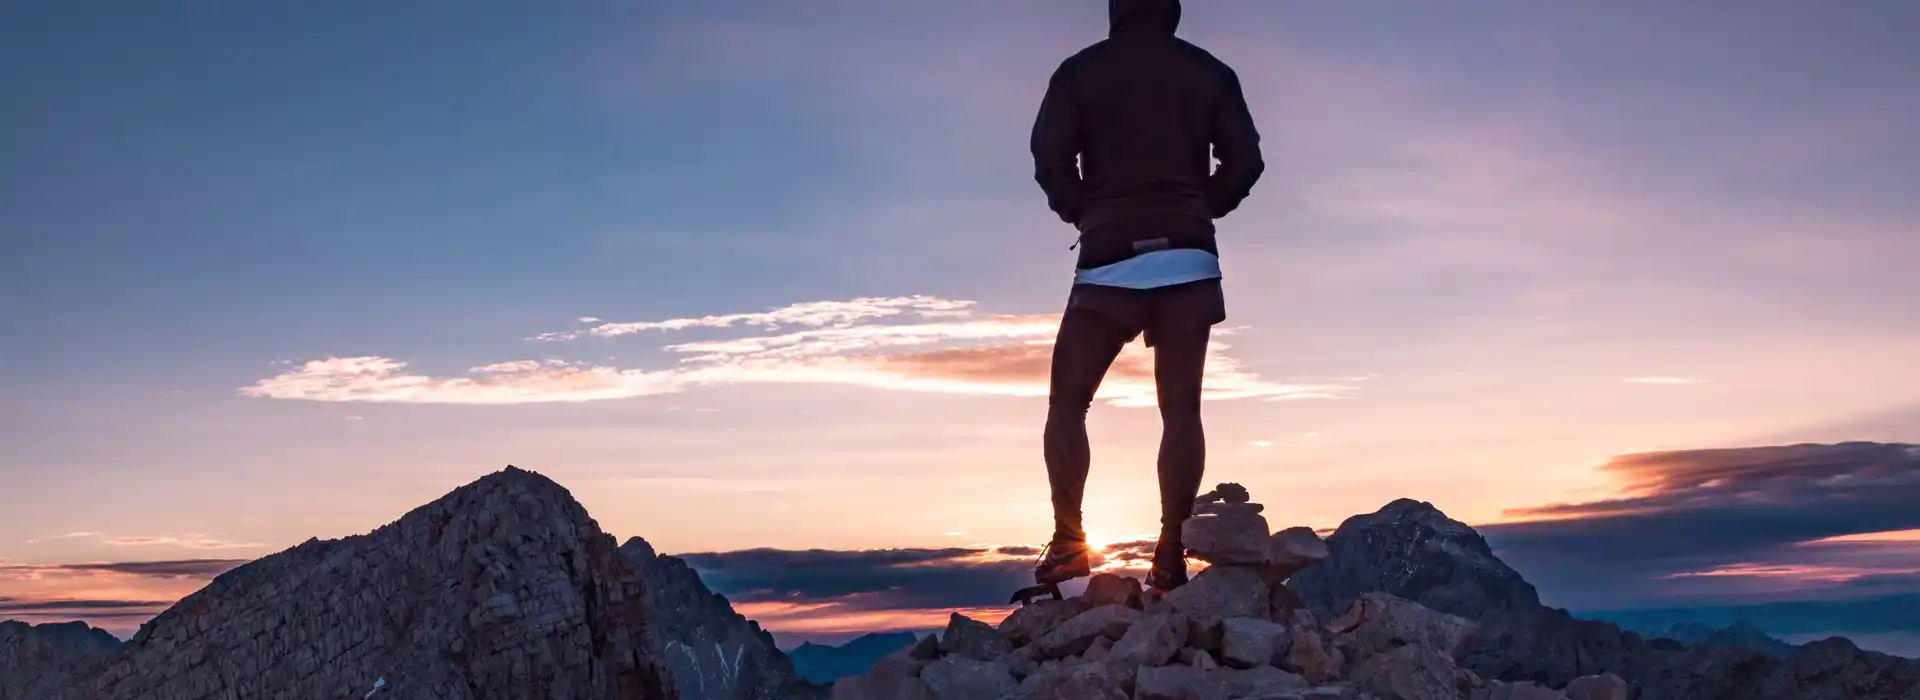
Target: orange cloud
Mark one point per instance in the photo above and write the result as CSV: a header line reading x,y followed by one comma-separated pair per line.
x,y
924,344
835,618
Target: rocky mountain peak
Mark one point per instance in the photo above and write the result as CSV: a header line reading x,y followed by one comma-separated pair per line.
x,y
1411,550
29,653
710,651
1414,551
503,588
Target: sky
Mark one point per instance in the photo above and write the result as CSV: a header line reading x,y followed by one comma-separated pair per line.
x,y
776,275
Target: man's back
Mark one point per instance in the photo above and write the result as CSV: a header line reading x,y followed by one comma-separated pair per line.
x,y
1122,142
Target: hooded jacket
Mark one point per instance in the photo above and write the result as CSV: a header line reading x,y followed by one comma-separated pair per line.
x,y
1127,132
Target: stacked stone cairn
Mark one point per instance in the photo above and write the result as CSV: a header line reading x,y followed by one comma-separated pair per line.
x,y
1235,632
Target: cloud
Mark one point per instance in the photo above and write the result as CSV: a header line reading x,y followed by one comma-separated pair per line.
x,y
173,569
1749,524
191,541
815,314
68,608
386,380
915,343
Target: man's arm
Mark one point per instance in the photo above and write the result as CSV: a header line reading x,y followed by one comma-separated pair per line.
x,y
1056,148
1236,144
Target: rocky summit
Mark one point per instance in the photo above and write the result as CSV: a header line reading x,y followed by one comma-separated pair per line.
x,y
711,652
1411,550
30,653
504,588
1234,632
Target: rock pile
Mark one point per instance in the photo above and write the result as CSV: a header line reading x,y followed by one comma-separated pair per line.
x,y
1233,632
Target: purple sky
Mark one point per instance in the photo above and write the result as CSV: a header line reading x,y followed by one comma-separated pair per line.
x,y
269,273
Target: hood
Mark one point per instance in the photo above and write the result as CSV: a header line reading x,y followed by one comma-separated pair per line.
x,y
1153,16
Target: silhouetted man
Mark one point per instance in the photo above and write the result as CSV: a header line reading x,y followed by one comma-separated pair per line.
x,y
1121,147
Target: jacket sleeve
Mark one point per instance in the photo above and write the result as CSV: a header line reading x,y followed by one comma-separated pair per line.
x,y
1236,144
1056,147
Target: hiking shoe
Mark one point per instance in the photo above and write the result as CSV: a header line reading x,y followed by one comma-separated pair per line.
x,y
1063,560
1169,568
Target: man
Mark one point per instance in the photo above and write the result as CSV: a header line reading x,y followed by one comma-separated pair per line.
x,y
1121,148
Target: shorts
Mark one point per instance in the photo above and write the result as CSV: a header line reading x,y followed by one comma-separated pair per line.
x,y
1155,312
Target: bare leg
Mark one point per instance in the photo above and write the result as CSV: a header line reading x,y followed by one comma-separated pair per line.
x,y
1085,349
1179,363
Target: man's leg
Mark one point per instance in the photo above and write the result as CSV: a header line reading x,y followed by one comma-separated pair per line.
x,y
1086,346
1179,362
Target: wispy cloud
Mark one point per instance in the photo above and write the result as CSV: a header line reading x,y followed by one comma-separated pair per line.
x,y
42,607
814,313
189,540
915,343
170,569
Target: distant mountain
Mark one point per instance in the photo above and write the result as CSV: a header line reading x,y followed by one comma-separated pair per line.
x,y
504,588
1411,550
821,663
713,652
1871,616
1739,634
30,652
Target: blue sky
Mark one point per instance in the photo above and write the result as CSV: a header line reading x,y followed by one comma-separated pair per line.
x,y
1498,244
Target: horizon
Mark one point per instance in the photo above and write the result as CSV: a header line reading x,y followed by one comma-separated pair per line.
x,y
753,278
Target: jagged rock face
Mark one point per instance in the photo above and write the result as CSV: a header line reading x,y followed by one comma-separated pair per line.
x,y
710,650
29,653
1413,551
503,588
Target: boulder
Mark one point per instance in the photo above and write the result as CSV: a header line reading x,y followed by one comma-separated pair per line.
x,y
1204,661
1409,673
1218,593
1283,603
1378,622
1294,549
961,678
1108,589
1034,620
1263,681
893,678
1152,640
1236,537
974,640
1102,647
1249,642
1180,683
1605,686
1076,635
1076,681
927,649
1224,493
1309,656
1228,508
